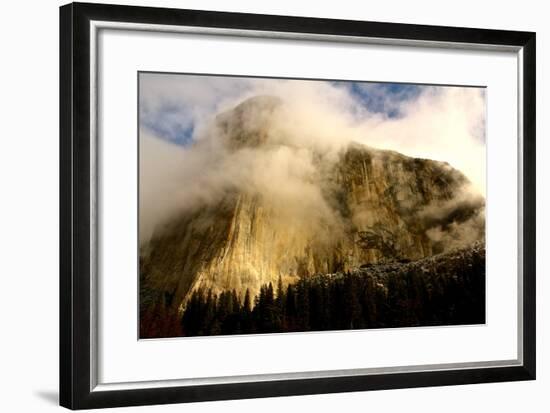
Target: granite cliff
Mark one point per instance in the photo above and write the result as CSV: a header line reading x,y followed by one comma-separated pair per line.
x,y
354,206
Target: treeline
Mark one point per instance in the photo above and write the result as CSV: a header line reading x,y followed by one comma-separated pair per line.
x,y
448,294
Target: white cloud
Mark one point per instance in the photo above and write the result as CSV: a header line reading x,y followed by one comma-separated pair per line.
x,y
441,123
445,124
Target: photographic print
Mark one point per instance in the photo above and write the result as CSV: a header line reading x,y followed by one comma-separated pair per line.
x,y
273,205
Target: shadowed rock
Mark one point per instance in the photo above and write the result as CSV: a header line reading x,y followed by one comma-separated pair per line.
x,y
379,207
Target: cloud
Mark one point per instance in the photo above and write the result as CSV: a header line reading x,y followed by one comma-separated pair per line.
x,y
185,159
459,234
170,104
445,124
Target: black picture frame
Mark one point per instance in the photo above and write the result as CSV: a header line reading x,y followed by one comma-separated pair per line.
x,y
75,219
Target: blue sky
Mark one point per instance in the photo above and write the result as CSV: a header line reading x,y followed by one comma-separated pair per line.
x,y
382,98
163,123
173,113
442,123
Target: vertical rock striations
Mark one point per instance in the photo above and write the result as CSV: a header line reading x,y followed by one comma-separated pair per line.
x,y
370,206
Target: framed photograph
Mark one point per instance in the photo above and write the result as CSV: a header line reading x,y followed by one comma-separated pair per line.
x,y
258,206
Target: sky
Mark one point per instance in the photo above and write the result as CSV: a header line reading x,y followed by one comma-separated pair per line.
x,y
172,105
180,153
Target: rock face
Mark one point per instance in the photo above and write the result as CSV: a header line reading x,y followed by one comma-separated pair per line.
x,y
443,289
370,206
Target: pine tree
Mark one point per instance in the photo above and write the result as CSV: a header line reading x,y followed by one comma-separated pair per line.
x,y
352,307
246,314
280,306
290,308
302,304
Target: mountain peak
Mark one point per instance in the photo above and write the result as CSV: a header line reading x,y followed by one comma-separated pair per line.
x,y
260,102
248,124
303,215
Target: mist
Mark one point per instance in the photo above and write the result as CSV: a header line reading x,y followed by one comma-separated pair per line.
x,y
308,122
